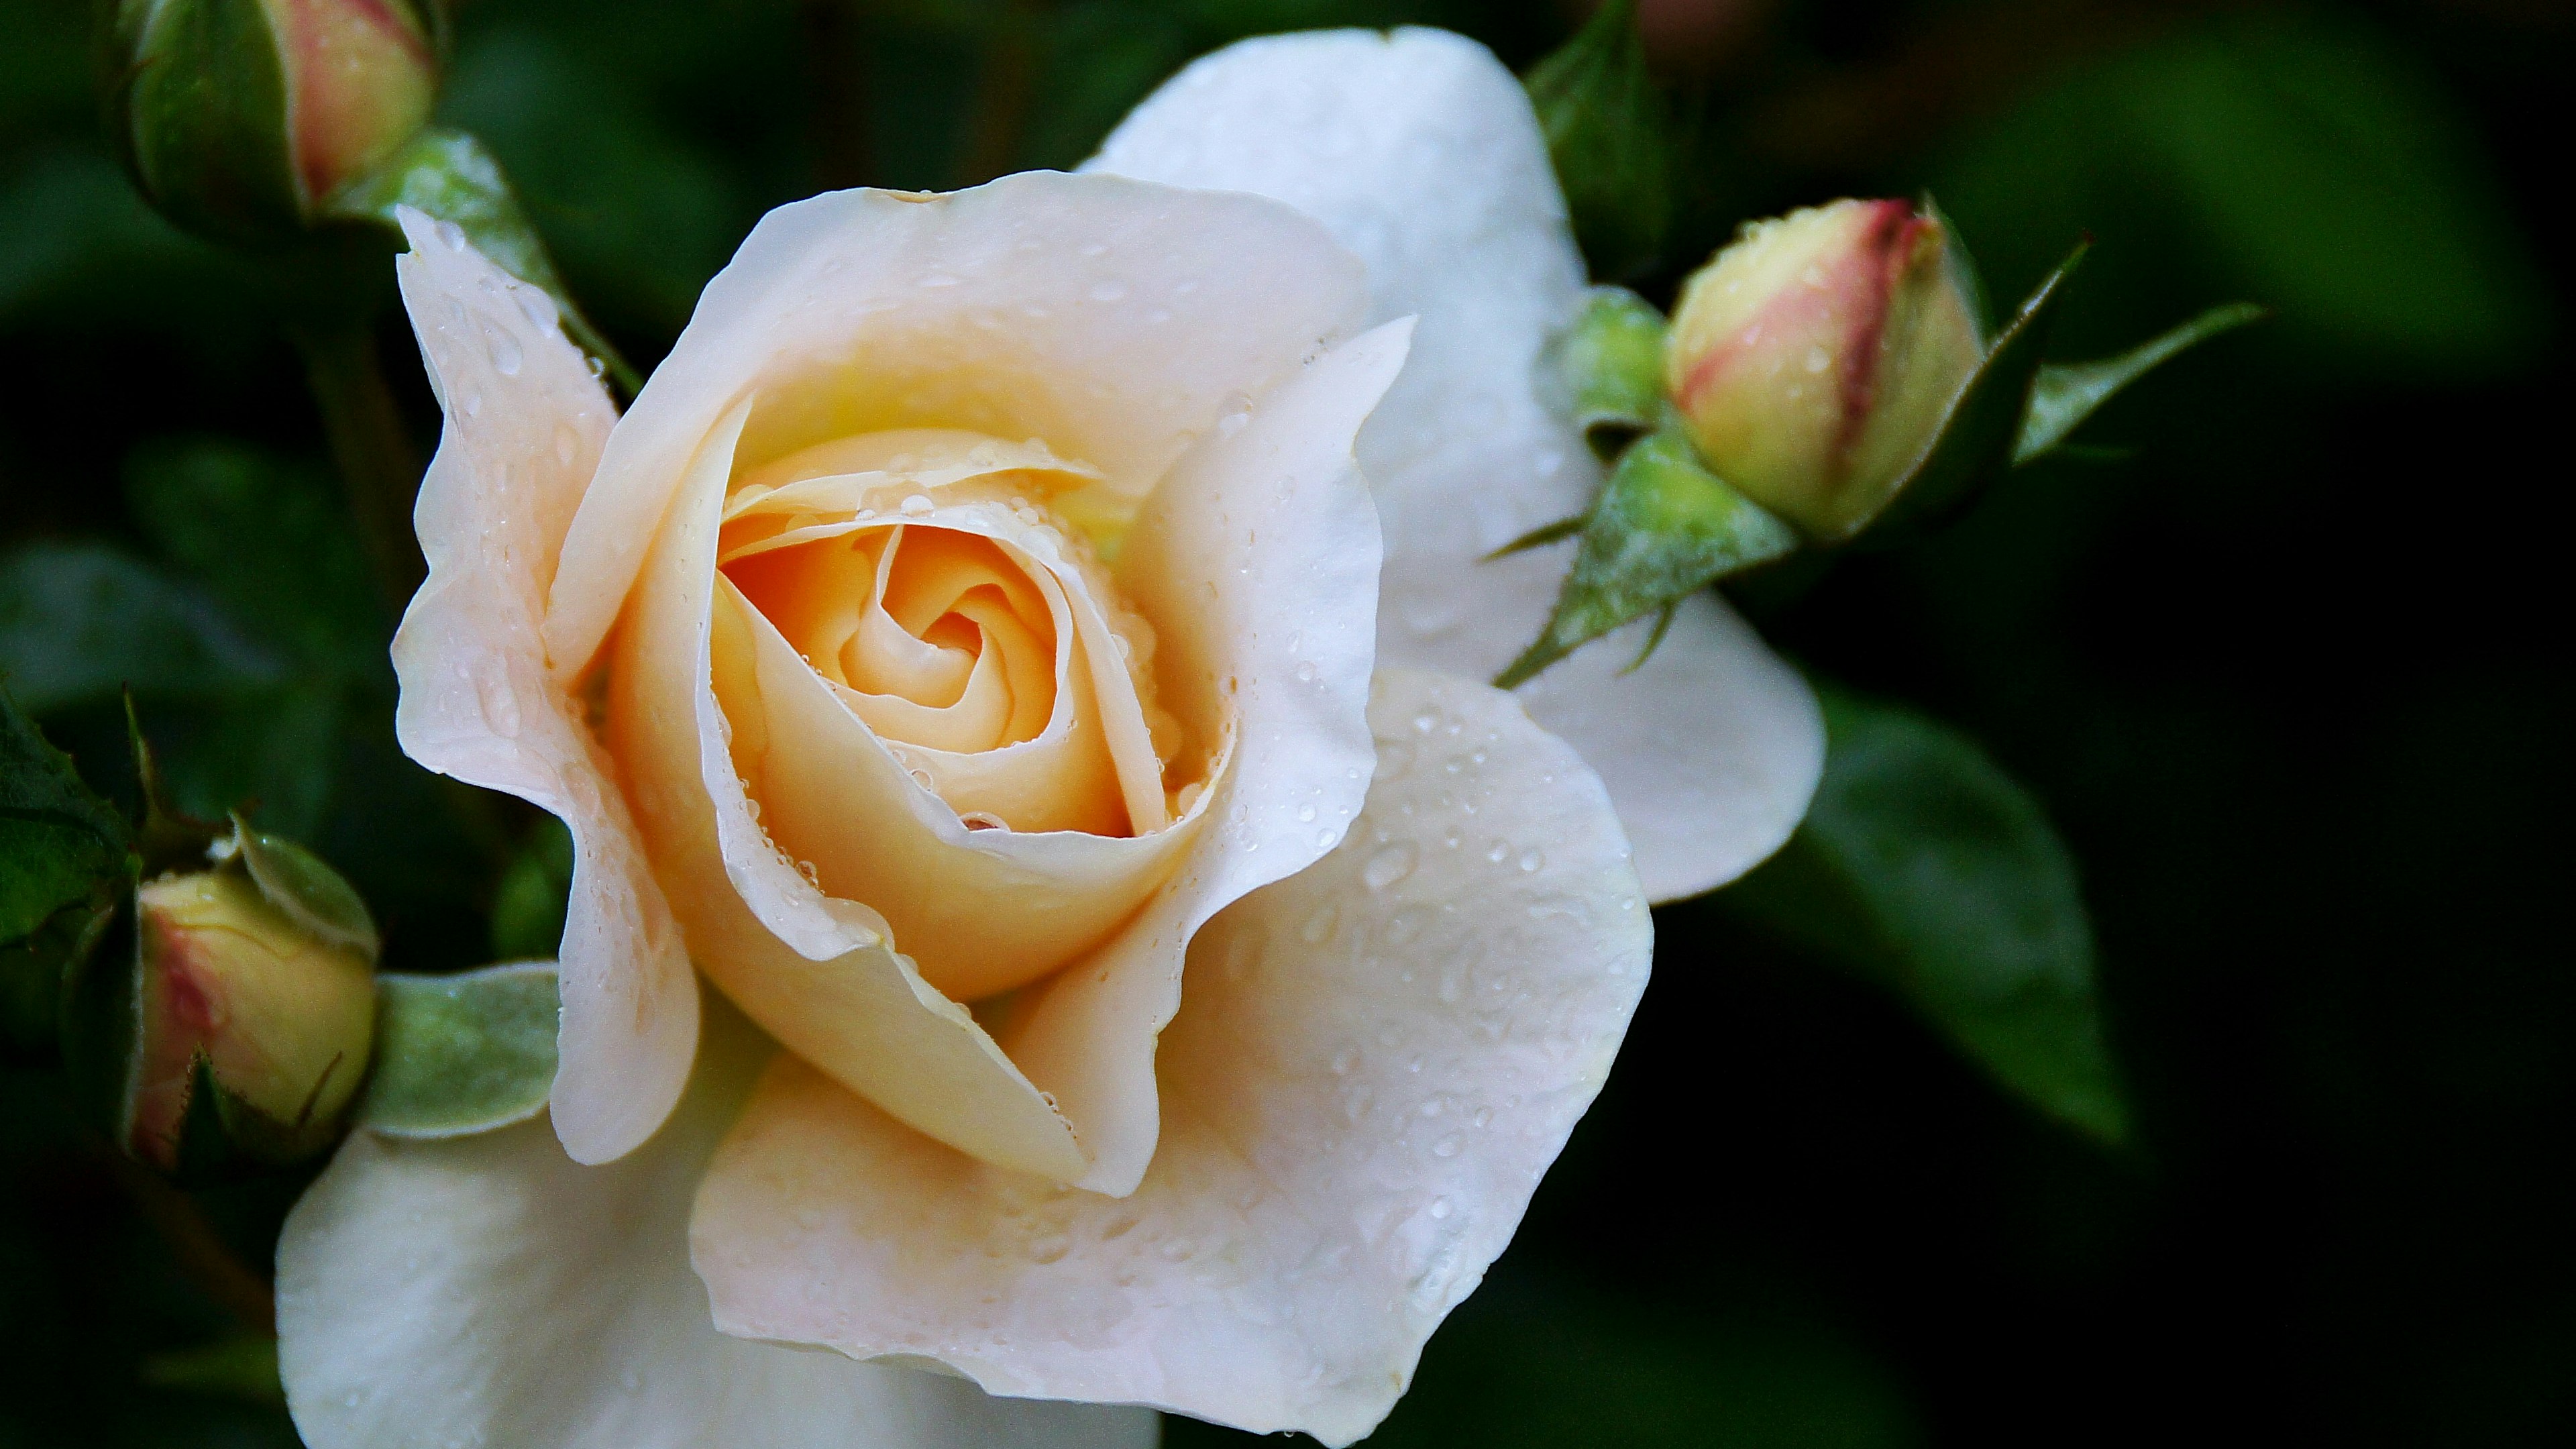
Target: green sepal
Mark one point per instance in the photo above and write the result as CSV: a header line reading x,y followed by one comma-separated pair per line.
x,y
1612,364
449,177
1610,134
309,892
198,112
59,842
1963,266
1662,528
462,1054
2066,393
1922,866
223,1137
164,839
1976,443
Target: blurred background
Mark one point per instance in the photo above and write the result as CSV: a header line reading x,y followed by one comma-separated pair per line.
x,y
2291,680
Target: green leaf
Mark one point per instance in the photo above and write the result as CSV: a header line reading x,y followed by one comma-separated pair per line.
x,y
79,621
1612,364
310,892
451,178
34,967
464,1053
59,842
528,908
1924,867
1609,131
1975,444
1662,528
2066,393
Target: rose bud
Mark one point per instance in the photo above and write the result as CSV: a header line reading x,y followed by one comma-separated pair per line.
x,y
254,984
1814,360
239,118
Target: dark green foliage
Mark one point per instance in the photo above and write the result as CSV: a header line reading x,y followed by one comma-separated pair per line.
x,y
1923,867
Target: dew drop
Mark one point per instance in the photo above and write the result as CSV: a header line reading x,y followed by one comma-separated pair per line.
x,y
1236,416
503,350
1306,671
917,505
1305,814
1531,860
1447,1146
1499,851
1439,1208
1320,925
452,234
1388,866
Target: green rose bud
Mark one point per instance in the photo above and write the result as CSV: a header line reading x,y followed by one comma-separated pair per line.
x,y
254,1008
239,118
1814,360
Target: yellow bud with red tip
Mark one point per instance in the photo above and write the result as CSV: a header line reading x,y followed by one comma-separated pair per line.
x,y
254,1008
1814,360
241,118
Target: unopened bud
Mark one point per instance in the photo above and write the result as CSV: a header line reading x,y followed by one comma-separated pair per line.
x,y
240,117
1814,360
255,1008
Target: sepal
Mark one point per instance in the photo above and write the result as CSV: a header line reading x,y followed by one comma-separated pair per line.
x,y
1611,365
449,177
462,1054
1610,134
1662,528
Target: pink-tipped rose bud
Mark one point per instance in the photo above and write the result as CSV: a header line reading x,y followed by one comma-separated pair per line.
x,y
1814,359
239,118
254,988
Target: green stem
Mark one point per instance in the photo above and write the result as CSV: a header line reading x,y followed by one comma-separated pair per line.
x,y
371,447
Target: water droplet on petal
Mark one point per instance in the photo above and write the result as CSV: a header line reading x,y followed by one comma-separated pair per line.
x,y
1388,866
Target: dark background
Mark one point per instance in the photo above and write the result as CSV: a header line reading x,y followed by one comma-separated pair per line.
x,y
2291,681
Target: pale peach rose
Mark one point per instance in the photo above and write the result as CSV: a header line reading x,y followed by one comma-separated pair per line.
x,y
1148,971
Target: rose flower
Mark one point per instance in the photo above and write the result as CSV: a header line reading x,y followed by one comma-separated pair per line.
x,y
1022,649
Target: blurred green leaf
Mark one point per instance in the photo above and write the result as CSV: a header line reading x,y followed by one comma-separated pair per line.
x,y
2299,156
2066,393
1662,528
59,842
461,1054
528,908
1612,364
78,621
273,543
238,1368
1975,444
449,176
638,218
1924,867
1610,133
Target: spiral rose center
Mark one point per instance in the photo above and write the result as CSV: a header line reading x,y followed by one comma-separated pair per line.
x,y
931,579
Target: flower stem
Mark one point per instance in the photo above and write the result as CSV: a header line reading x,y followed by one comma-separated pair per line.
x,y
369,445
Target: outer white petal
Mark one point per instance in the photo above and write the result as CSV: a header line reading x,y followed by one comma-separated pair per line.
x,y
1419,151
490,1291
1039,305
525,425
1374,1061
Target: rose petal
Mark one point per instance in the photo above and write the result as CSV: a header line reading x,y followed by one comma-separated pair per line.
x,y
487,1290
1375,1060
1110,319
1259,559
525,423
819,971
1419,151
